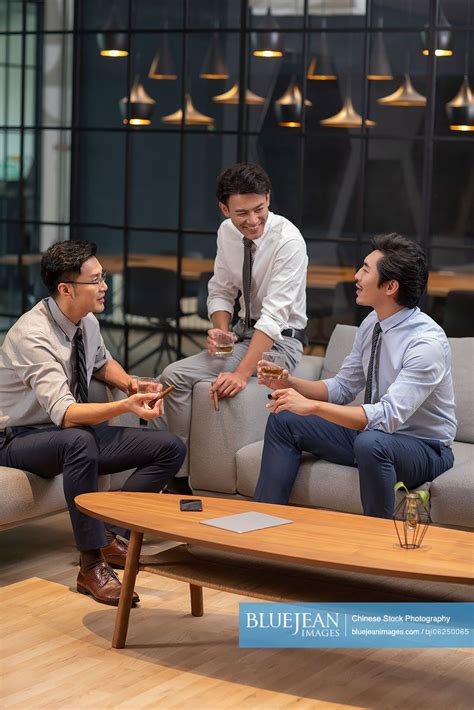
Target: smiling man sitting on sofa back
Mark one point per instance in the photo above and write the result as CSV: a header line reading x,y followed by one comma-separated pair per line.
x,y
401,357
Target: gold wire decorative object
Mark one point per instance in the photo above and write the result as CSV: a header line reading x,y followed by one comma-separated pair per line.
x,y
347,117
411,517
192,116
232,97
405,95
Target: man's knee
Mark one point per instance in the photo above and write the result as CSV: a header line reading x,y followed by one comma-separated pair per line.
x,y
169,447
81,441
180,374
371,444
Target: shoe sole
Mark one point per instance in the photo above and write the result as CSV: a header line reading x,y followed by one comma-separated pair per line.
x,y
87,593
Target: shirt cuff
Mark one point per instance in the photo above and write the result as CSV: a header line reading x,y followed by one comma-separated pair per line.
x,y
334,391
58,410
374,414
220,304
270,328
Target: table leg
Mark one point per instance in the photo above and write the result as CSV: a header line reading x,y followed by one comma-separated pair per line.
x,y
197,604
128,585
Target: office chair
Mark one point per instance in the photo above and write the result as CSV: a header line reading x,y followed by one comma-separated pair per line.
x,y
458,321
151,294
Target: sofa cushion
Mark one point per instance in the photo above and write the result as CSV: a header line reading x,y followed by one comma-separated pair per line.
x,y
327,485
462,350
339,346
452,493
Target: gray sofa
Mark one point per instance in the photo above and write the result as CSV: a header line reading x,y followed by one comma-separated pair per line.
x,y
25,497
226,446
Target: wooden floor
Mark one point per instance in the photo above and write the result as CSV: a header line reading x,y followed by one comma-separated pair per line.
x,y
55,649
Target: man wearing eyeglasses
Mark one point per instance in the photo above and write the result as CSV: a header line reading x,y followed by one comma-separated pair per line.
x,y
49,426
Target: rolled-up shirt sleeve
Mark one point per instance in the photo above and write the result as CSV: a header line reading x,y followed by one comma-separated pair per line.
x,y
288,273
221,288
37,366
102,355
424,366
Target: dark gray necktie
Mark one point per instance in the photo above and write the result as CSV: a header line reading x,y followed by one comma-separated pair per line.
x,y
371,375
247,279
82,391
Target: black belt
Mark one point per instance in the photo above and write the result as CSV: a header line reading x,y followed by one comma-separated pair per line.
x,y
289,333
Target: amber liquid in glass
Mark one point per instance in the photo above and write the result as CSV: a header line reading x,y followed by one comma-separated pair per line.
x,y
272,371
224,350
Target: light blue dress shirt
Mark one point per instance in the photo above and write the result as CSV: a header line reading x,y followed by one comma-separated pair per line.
x,y
414,393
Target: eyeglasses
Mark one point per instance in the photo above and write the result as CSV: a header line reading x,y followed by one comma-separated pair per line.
x,y
98,282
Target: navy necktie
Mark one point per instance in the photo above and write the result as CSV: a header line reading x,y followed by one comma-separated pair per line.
x,y
247,279
371,375
82,391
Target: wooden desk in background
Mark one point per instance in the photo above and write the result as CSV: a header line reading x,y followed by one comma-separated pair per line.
x,y
440,283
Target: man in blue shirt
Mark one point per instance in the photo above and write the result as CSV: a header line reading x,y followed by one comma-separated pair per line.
x,y
401,357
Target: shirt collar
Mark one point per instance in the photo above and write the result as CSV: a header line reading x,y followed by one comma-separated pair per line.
x,y
392,321
68,327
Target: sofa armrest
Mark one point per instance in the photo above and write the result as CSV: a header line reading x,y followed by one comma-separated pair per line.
x,y
100,392
217,436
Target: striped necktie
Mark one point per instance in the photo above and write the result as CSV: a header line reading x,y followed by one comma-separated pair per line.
x,y
247,279
82,393
370,372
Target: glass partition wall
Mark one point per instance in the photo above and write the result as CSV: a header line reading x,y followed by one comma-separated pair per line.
x,y
361,112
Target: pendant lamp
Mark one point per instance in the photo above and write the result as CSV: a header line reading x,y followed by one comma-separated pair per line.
x,y
162,66
192,117
405,95
214,66
379,64
442,37
289,107
460,110
140,106
113,41
232,97
269,43
321,67
346,117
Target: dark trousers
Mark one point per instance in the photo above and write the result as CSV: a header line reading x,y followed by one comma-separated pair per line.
x,y
82,454
382,459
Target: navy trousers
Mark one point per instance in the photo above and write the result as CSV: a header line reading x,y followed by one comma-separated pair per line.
x,y
82,454
382,459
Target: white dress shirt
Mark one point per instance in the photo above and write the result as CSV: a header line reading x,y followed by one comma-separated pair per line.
x,y
415,390
280,262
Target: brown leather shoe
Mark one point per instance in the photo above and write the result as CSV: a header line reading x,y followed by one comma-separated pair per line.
x,y
102,584
115,554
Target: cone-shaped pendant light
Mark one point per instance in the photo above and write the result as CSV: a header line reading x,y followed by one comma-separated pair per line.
x,y
163,66
192,117
232,97
214,66
269,43
140,106
113,41
405,95
289,107
460,110
346,118
379,65
321,67
442,37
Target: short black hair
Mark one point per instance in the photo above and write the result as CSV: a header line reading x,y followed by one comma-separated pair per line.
x,y
62,260
404,261
242,179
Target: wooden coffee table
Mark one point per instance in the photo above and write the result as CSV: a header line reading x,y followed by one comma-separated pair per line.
x,y
316,539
